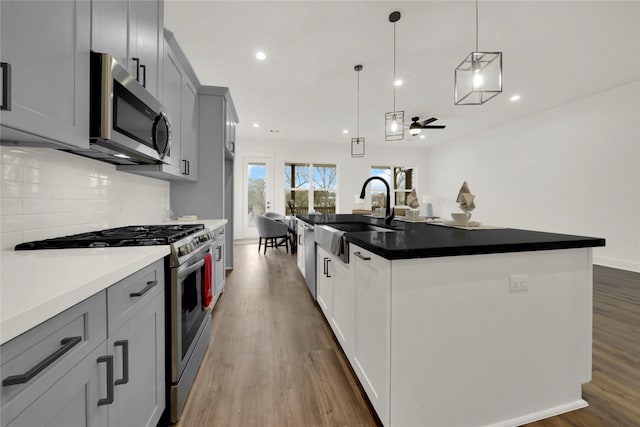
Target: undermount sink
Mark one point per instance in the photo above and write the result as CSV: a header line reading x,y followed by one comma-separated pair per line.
x,y
358,227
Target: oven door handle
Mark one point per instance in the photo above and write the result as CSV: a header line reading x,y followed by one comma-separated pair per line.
x,y
187,271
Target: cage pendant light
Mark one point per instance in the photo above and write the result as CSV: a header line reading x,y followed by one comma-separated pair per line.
x,y
357,143
479,77
394,121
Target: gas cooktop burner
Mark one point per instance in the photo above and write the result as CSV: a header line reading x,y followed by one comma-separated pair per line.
x,y
135,235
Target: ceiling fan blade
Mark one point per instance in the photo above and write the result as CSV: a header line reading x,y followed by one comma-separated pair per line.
x,y
434,127
427,121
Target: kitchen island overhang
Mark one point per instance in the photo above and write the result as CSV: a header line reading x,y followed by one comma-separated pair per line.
x,y
458,345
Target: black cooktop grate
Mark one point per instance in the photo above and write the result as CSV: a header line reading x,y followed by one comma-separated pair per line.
x,y
135,235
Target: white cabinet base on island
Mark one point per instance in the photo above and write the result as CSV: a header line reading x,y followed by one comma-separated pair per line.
x,y
460,347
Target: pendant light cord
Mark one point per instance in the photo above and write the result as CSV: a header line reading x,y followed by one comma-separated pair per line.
x,y
358,110
394,68
476,25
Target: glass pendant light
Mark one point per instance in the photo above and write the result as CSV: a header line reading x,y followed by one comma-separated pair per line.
x,y
357,143
479,77
394,121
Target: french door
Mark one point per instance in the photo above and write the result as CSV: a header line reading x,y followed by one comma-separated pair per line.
x,y
257,191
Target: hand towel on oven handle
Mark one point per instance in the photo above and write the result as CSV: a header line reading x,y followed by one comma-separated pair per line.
x,y
207,292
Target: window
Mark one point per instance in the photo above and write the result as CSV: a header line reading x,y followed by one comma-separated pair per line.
x,y
311,187
401,185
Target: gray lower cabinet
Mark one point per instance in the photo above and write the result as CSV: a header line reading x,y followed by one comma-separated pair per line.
x,y
218,262
136,341
68,371
45,67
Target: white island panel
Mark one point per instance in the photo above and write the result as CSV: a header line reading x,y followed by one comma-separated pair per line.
x,y
465,350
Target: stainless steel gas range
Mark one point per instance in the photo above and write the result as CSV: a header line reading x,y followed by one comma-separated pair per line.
x,y
188,292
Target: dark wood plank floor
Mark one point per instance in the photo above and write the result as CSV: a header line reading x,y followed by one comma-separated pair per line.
x,y
273,360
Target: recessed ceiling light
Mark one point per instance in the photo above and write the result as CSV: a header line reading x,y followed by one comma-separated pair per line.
x,y
514,98
422,137
261,56
256,125
345,131
398,82
122,156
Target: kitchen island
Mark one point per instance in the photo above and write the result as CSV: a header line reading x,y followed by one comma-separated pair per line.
x,y
451,327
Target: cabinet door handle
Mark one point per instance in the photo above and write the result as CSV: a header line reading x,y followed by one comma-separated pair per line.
x,y
125,361
299,239
66,343
6,86
144,290
109,361
188,167
137,61
144,75
219,249
326,264
362,257
184,167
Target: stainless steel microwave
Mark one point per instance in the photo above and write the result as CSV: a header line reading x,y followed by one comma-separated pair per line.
x,y
128,124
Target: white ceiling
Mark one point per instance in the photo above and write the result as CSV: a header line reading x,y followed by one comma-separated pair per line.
x,y
553,52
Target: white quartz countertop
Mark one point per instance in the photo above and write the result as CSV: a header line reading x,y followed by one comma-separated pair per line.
x,y
37,285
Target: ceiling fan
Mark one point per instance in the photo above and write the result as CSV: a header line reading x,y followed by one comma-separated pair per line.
x,y
416,126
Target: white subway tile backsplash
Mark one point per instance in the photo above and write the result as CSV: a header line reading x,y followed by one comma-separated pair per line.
x,y
11,206
48,193
11,172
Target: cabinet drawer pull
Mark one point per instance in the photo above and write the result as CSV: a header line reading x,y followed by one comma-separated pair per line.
x,y
66,343
144,290
144,75
362,257
125,361
137,61
109,361
6,86
219,249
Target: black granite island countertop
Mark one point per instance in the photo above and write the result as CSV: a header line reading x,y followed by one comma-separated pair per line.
x,y
423,240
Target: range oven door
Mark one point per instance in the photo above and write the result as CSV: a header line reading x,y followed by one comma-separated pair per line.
x,y
187,311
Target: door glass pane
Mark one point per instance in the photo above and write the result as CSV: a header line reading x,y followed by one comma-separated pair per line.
x,y
257,187
296,184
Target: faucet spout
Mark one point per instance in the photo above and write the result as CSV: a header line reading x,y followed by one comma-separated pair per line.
x,y
388,215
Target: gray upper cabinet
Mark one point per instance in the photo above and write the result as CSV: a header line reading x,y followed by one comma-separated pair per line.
x,y
181,106
45,46
131,31
212,195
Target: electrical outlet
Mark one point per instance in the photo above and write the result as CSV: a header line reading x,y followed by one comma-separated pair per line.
x,y
518,282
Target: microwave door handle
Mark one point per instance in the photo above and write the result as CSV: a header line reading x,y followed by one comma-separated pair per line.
x,y
187,271
106,102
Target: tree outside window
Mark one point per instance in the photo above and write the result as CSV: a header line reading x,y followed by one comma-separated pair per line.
x,y
311,187
324,188
401,185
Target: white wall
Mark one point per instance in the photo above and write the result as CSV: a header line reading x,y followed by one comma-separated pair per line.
x,y
572,169
351,172
47,193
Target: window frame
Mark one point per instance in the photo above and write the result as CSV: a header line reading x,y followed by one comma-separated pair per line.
x,y
311,190
394,189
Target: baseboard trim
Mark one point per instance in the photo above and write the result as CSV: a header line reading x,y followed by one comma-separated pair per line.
x,y
540,415
620,264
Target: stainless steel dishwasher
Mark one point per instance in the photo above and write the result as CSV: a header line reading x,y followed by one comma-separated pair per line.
x,y
309,258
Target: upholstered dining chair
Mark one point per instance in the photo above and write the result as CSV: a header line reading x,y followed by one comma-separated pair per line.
x,y
273,232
